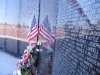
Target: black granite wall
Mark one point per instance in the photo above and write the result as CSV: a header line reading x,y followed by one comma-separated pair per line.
x,y
79,52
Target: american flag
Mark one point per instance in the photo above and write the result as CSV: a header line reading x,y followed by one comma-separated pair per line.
x,y
33,29
47,31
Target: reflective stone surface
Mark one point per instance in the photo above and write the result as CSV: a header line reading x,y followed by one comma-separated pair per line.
x,y
77,27
78,52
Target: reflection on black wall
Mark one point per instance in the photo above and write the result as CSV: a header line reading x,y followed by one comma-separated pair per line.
x,y
13,47
79,52
76,54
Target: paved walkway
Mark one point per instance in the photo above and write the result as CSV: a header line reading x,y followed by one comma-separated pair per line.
x,y
7,63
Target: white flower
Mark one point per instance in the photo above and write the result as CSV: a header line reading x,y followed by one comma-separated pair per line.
x,y
17,72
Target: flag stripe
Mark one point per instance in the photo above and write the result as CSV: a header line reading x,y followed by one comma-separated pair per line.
x,y
47,33
44,33
33,33
46,38
34,30
33,36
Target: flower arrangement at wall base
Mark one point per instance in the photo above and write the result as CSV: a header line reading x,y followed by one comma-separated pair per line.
x,y
29,59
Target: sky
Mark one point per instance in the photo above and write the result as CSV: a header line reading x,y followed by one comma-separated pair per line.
x,y
22,11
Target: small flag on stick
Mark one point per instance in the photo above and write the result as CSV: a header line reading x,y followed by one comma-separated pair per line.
x,y
47,31
33,29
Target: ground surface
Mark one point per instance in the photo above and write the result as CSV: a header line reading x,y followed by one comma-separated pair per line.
x,y
7,64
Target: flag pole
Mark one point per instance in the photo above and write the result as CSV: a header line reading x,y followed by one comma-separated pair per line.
x,y
38,60
38,21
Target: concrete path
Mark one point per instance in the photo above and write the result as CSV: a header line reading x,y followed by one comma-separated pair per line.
x,y
7,63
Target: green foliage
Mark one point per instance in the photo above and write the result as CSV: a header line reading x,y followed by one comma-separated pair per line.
x,y
27,66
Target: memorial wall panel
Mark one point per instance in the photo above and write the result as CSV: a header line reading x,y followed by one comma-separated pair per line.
x,y
79,49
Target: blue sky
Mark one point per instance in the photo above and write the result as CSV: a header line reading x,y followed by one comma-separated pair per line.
x,y
14,12
2,11
21,11
8,11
